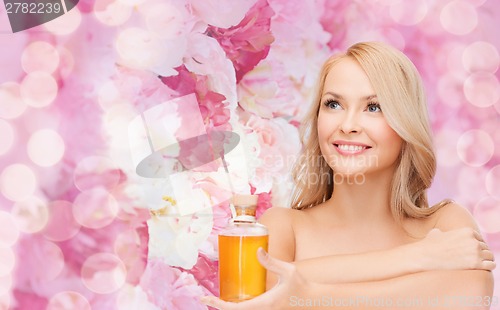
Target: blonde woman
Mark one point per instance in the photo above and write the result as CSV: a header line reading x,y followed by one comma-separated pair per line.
x,y
360,233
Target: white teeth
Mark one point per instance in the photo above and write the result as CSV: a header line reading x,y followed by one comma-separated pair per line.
x,y
351,148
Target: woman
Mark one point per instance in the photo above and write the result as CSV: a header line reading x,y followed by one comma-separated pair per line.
x,y
366,223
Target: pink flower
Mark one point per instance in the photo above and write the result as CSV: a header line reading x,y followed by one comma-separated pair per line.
x,y
170,288
333,21
263,203
221,13
213,106
28,300
280,146
141,88
206,57
268,92
247,43
206,271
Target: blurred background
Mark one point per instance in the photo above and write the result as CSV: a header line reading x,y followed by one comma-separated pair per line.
x,y
80,100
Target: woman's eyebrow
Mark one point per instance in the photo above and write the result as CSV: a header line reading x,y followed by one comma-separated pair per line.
x,y
337,96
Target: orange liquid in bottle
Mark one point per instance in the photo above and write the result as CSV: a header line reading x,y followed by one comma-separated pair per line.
x,y
241,275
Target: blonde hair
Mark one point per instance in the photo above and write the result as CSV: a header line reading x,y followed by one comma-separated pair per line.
x,y
398,86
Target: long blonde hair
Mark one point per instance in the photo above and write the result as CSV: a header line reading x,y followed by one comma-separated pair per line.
x,y
398,86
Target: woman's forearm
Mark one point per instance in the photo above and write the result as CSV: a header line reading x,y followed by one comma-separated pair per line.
x,y
362,267
450,289
457,249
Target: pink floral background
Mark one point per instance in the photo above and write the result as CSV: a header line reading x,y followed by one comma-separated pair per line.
x,y
75,226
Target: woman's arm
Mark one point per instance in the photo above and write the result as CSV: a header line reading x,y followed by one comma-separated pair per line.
x,y
281,237
443,289
464,289
460,249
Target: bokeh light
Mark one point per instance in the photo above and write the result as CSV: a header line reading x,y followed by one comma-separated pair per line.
x,y
138,48
408,12
65,24
45,147
481,56
95,208
96,171
66,63
108,95
12,104
68,300
38,119
493,182
6,136
112,12
459,17
53,261
127,248
39,89
40,56
450,90
497,106
31,214
4,300
475,147
131,2
477,3
453,58
482,89
164,19
60,211
470,185
487,213
17,182
9,232
103,273
446,152
7,262
5,286
131,298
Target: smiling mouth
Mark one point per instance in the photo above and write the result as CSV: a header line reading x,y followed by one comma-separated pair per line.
x,y
350,148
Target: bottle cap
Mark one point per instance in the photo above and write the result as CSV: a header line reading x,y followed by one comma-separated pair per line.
x,y
245,200
245,207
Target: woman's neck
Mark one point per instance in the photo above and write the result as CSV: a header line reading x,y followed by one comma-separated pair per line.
x,y
366,197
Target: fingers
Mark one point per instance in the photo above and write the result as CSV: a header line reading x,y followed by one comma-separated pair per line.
x,y
487,255
483,245
279,267
478,236
217,303
487,265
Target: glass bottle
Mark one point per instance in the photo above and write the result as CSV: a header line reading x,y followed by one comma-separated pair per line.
x,y
241,276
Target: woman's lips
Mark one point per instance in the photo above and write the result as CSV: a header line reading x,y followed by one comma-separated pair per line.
x,y
351,149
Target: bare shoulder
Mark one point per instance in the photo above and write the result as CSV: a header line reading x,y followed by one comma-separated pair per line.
x,y
276,214
454,216
279,221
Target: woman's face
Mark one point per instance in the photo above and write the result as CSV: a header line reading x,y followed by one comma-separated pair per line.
x,y
354,136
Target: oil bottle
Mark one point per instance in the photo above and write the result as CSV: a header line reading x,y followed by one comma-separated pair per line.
x,y
241,276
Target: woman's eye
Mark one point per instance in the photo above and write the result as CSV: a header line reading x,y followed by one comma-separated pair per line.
x,y
373,107
332,104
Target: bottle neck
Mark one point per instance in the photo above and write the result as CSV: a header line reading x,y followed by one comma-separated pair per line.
x,y
244,214
244,219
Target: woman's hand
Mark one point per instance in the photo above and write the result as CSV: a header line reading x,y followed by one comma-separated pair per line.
x,y
291,285
455,249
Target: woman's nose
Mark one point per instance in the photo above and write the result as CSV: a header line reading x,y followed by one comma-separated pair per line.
x,y
349,123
